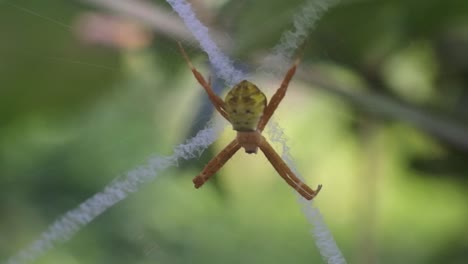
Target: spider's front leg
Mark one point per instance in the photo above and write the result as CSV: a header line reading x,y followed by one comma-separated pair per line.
x,y
215,100
285,172
216,163
277,97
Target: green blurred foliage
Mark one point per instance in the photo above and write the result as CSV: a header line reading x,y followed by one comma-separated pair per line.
x,y
74,116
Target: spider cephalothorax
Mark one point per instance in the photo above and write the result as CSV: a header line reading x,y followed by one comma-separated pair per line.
x,y
246,108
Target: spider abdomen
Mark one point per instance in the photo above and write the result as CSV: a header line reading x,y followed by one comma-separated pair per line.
x,y
245,104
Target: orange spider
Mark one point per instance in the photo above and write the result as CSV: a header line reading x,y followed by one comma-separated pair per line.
x,y
246,108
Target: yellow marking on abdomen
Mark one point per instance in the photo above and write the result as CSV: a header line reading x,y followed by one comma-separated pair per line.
x,y
244,105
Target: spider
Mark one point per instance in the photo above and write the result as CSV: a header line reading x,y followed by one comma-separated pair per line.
x,y
246,108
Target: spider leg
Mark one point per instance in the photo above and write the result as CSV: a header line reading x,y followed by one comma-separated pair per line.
x,y
216,163
286,173
277,97
215,100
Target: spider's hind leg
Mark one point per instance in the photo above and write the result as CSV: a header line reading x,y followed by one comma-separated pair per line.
x,y
286,173
216,163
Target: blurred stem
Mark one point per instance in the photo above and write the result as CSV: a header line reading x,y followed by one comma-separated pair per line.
x,y
435,124
164,22
368,197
